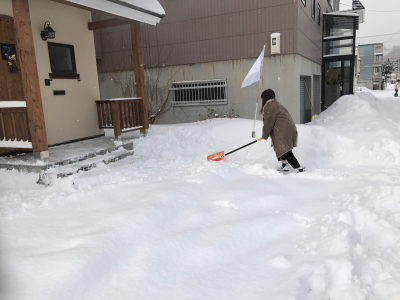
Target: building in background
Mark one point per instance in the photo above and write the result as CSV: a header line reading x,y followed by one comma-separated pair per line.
x,y
202,50
371,56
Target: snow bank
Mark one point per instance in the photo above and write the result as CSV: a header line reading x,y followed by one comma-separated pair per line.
x,y
363,129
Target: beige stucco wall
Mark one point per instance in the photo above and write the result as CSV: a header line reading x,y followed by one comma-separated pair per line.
x,y
280,73
74,115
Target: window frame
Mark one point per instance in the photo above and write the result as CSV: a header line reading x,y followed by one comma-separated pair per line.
x,y
319,15
63,74
199,92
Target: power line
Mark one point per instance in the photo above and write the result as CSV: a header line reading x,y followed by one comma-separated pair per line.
x,y
362,37
381,11
393,36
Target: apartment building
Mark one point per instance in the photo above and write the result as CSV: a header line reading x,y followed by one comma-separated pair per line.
x,y
201,51
371,56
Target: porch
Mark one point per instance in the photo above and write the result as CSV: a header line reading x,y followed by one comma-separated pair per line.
x,y
68,159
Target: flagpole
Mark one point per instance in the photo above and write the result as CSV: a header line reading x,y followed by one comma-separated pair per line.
x,y
253,134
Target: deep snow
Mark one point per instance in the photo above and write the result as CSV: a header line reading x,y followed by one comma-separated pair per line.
x,y
167,224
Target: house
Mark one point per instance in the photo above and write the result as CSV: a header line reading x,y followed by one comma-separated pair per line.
x,y
48,73
201,51
371,56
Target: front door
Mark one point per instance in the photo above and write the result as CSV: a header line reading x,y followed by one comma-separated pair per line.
x,y
13,115
10,76
338,79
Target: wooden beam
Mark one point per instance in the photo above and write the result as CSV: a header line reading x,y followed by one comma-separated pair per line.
x,y
106,24
138,67
116,119
29,73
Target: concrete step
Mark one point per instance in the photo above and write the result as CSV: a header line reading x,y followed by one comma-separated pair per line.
x,y
47,176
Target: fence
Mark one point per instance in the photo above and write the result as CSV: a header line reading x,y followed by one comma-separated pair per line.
x,y
123,115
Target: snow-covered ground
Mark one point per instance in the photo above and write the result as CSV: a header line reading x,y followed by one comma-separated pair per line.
x,y
168,224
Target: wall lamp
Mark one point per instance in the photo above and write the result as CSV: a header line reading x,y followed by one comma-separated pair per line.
x,y
48,32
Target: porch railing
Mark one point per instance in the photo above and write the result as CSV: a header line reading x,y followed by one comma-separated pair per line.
x,y
123,115
14,128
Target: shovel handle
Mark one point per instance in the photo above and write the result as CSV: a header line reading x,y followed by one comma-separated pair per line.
x,y
260,139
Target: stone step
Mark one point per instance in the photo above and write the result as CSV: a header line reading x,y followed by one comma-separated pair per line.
x,y
47,176
28,164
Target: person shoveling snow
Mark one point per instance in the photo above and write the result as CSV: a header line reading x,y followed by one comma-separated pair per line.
x,y
279,125
396,88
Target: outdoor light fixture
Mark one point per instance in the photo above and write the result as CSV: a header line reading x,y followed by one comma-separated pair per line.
x,y
48,32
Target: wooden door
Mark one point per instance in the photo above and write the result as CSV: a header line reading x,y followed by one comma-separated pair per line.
x,y
10,83
13,119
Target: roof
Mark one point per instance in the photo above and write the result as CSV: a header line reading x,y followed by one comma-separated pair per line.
x,y
146,11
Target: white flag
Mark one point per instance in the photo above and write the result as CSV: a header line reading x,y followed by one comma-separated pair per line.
x,y
254,73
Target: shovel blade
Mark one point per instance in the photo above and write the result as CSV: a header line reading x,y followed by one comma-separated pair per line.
x,y
216,156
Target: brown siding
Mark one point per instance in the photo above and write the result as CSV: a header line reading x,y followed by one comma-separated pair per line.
x,y
196,31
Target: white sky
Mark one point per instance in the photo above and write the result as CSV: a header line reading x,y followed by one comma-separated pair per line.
x,y
378,23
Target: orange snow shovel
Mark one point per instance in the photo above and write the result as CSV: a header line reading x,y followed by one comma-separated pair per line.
x,y
220,155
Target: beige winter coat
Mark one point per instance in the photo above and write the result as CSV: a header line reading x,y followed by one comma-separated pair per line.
x,y
279,125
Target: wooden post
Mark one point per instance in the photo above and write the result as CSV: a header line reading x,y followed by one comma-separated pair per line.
x,y
138,67
29,73
116,119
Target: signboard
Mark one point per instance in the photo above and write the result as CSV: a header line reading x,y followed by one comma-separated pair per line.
x,y
7,50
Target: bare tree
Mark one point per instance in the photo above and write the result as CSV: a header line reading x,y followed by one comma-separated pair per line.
x,y
158,96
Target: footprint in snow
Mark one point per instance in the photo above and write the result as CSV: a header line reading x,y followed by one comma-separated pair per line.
x,y
280,262
225,203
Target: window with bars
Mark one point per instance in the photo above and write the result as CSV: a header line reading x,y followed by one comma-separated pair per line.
x,y
210,92
319,16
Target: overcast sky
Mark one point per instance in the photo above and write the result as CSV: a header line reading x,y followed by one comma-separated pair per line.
x,y
378,23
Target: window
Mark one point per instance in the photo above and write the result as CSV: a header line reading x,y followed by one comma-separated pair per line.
x,y
273,41
62,61
210,92
378,57
377,70
313,9
304,2
319,16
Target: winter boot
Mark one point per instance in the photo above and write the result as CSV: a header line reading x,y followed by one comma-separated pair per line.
x,y
284,168
300,170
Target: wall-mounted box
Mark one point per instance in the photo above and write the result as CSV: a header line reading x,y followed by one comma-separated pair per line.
x,y
276,43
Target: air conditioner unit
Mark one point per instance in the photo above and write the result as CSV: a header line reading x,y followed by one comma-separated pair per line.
x,y
276,43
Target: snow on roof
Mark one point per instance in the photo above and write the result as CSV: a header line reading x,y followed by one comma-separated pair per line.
x,y
339,14
146,11
275,34
150,5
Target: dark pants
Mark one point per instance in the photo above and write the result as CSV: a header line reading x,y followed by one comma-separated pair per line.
x,y
396,93
291,159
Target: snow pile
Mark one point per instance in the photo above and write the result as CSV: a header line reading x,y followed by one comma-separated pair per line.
x,y
362,129
167,224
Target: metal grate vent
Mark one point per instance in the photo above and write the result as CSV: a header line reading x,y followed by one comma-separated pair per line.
x,y
210,92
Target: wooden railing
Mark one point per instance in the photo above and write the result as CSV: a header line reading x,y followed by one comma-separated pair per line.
x,y
14,125
123,115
